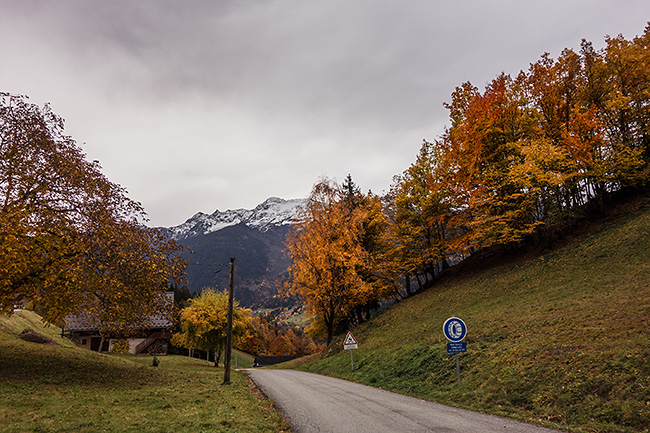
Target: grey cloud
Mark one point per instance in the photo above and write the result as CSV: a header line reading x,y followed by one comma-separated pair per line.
x,y
202,104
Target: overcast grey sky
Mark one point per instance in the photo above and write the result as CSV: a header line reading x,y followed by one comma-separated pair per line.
x,y
195,105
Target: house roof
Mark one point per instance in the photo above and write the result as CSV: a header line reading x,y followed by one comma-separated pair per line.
x,y
81,321
84,321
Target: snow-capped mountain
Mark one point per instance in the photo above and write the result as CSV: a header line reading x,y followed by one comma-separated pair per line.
x,y
255,237
272,212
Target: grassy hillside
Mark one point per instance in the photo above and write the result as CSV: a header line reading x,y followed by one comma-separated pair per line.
x,y
241,359
61,388
561,338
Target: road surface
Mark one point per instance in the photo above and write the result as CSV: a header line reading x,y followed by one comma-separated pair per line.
x,y
314,403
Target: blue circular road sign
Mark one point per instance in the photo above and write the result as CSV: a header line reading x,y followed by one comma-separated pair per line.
x,y
454,329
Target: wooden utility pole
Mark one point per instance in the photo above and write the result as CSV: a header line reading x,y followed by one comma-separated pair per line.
x,y
231,292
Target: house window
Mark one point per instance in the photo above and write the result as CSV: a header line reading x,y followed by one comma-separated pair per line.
x,y
84,341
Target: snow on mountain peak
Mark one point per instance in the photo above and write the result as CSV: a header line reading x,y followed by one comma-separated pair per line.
x,y
274,211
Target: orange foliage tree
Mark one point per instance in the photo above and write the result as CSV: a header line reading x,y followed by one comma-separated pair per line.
x,y
263,337
524,154
480,152
338,261
69,238
418,208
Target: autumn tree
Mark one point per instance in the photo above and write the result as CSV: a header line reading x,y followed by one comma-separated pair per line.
x,y
336,256
419,208
377,270
203,323
523,155
480,150
70,238
585,115
301,344
527,152
265,337
626,104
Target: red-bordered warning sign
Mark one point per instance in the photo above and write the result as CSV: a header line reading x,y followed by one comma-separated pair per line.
x,y
350,342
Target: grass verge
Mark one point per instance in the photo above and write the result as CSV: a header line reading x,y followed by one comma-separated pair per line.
x,y
50,388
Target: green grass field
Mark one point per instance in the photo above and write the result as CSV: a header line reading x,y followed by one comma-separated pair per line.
x,y
561,339
50,388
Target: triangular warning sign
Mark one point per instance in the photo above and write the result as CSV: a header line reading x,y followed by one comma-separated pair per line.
x,y
349,340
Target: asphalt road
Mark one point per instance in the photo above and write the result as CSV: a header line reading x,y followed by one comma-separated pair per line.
x,y
314,403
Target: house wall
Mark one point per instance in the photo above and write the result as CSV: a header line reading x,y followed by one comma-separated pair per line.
x,y
83,342
91,341
133,343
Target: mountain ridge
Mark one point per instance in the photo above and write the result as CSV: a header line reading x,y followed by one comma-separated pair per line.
x,y
272,212
254,237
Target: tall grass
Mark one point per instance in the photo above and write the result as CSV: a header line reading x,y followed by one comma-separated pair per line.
x,y
561,339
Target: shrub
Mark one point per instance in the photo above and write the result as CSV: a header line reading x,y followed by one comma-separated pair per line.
x,y
120,346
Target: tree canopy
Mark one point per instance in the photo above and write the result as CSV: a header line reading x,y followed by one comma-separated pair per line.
x,y
525,154
203,322
69,237
339,261
519,159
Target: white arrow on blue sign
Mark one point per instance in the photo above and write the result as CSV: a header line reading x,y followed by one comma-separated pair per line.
x,y
454,329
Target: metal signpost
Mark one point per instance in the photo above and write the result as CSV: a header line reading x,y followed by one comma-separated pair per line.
x,y
348,344
455,330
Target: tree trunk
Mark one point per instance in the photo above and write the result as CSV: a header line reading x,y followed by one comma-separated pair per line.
x,y
330,333
359,315
329,322
420,283
368,309
217,356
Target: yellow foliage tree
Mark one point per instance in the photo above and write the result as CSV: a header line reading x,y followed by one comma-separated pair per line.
x,y
418,208
203,322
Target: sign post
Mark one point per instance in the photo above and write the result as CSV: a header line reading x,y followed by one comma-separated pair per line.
x,y
350,343
455,330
